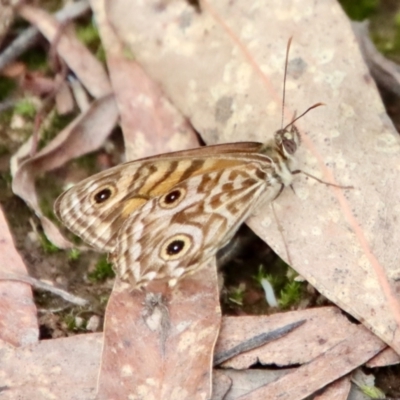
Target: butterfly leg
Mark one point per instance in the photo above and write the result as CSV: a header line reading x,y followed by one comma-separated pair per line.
x,y
280,192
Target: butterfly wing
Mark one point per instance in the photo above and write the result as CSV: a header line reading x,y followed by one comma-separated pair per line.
x,y
96,208
173,234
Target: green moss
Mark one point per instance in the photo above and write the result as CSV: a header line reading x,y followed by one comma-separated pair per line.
x,y
35,60
361,9
55,126
385,30
49,189
7,86
101,54
88,163
47,246
74,254
88,34
103,270
276,280
236,294
291,294
291,291
25,108
372,392
70,321
6,117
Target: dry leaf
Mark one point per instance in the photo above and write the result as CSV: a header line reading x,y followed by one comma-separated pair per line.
x,y
223,67
64,99
158,343
324,328
18,323
250,379
336,362
150,123
221,385
384,358
63,369
71,364
338,390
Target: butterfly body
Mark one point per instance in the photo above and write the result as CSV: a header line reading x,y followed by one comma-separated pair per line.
x,y
162,217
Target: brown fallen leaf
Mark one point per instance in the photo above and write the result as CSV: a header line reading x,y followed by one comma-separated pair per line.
x,y
386,357
159,343
343,242
338,390
150,122
64,99
221,385
64,369
18,322
324,328
244,381
71,364
334,363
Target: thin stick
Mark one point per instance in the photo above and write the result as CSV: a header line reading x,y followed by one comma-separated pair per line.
x,y
28,37
46,287
256,341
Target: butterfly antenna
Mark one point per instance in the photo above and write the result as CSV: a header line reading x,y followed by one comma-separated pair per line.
x,y
302,115
284,78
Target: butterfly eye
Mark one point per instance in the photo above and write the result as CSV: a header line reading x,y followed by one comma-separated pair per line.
x,y
175,247
103,194
289,145
173,198
287,140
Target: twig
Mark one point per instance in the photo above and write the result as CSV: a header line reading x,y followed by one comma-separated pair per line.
x,y
27,38
37,284
256,341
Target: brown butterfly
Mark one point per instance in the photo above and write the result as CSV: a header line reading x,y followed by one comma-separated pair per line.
x,y
163,217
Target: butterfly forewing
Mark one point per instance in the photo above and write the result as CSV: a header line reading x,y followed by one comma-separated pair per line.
x,y
95,208
162,217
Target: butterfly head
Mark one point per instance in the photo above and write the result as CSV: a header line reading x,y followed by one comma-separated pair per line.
x,y
287,140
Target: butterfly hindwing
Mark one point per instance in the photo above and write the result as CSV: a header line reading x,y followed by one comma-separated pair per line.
x,y
173,234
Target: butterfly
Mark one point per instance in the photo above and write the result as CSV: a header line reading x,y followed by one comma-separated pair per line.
x,y
163,217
